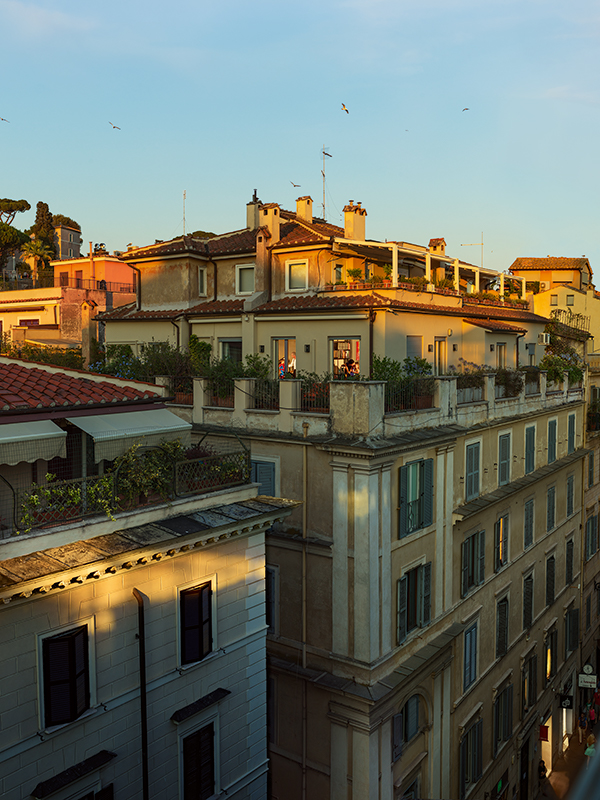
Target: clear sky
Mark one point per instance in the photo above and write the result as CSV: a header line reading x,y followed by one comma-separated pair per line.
x,y
224,97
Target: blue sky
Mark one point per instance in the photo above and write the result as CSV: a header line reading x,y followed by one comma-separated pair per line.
x,y
219,99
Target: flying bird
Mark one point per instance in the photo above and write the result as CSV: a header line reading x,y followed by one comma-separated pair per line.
x,y
114,126
465,109
295,185
345,109
4,120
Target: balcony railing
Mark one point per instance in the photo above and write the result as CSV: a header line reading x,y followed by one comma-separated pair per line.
x,y
221,393
409,395
102,286
266,395
314,397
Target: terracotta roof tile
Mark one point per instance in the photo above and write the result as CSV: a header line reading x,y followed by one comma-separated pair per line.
x,y
495,325
129,312
550,262
218,307
29,387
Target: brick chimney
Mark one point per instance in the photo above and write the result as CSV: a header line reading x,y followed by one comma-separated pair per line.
x,y
304,208
438,246
252,216
354,221
270,219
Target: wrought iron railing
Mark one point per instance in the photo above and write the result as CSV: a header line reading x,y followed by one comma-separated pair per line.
x,y
266,394
408,395
314,397
182,390
221,393
414,515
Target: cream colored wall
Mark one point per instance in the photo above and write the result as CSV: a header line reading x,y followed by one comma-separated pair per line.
x,y
137,334
585,303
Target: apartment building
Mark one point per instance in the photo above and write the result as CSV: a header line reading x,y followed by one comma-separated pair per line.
x,y
132,625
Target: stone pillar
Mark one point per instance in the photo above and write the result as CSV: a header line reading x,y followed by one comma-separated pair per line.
x,y
243,397
394,266
366,564
357,407
339,762
339,604
456,275
387,639
88,329
199,389
289,401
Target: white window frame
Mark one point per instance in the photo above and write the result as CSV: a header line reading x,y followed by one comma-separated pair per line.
x,y
238,269
190,727
202,281
90,623
184,587
288,265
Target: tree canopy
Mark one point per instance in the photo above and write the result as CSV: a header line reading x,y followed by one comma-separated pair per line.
x,y
9,208
43,228
61,219
10,239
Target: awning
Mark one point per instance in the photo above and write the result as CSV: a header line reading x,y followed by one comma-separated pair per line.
x,y
28,441
113,434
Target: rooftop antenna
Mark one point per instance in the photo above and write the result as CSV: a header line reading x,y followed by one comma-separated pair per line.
x,y
323,174
184,195
476,244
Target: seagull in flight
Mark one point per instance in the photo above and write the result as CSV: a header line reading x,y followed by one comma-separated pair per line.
x,y
465,109
295,185
4,120
114,126
345,109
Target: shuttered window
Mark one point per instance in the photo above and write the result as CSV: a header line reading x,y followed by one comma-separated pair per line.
x,y
569,563
528,524
501,542
472,562
470,659
529,684
413,601
263,473
570,494
503,716
529,449
591,469
551,654
504,459
415,495
571,434
550,571
571,630
66,676
471,757
196,623
551,508
405,726
502,627
591,536
551,441
588,612
527,602
199,764
472,471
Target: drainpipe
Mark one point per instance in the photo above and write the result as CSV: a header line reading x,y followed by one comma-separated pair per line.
x,y
519,336
177,332
372,315
304,536
210,261
143,702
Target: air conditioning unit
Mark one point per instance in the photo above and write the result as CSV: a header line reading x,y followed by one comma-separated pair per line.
x,y
544,286
543,338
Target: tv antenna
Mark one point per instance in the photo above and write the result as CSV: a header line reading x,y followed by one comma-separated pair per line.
x,y
323,174
476,244
184,195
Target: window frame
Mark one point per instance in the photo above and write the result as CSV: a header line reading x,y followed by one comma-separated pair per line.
x,y
240,268
471,757
569,560
528,600
504,456
294,262
528,684
501,542
591,536
472,562
401,735
473,476
528,522
550,579
211,582
502,633
571,433
413,588
550,508
530,449
550,654
423,468
202,282
552,439
210,718
503,722
470,651
570,495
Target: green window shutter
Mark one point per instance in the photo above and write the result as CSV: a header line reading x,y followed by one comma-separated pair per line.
x,y
478,751
196,623
527,602
529,449
397,736
504,459
551,441
508,717
465,567
66,676
502,628
427,491
481,557
571,434
426,615
528,524
550,568
401,609
403,502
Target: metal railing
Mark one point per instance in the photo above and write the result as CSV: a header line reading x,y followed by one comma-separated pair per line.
x,y
469,394
87,283
221,393
414,515
211,472
409,395
314,397
182,390
266,394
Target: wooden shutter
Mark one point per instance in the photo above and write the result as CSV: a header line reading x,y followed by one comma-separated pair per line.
x,y
571,434
426,614
502,628
478,751
66,676
569,495
481,556
528,524
594,533
551,441
401,609
569,563
497,722
550,567
470,665
527,602
427,491
397,735
497,562
263,473
465,566
411,710
472,471
198,764
573,629
402,502
504,459
464,755
196,623
529,449
550,509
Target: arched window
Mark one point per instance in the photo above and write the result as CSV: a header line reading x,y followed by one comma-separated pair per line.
x,y
405,725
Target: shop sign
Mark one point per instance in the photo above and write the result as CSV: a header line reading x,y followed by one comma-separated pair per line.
x,y
566,701
587,681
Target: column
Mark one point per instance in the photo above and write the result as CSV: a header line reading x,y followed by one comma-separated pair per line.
x,y
456,275
446,749
366,564
339,762
440,519
394,265
448,528
339,604
435,774
386,558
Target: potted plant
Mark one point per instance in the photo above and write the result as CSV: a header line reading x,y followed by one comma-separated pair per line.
x,y
355,274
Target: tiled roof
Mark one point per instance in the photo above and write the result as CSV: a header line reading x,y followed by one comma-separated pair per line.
x,y
28,388
322,302
243,241
495,325
550,262
218,307
130,313
33,301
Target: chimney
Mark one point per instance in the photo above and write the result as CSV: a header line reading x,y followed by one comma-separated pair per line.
x,y
270,219
437,246
304,208
252,220
354,221
88,329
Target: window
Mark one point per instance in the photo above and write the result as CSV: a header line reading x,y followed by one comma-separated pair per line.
x,y
571,434
502,627
571,630
296,276
591,469
343,351
528,523
199,764
569,562
503,716
551,652
232,349
79,278
405,726
271,598
472,471
550,572
527,602
244,279
551,508
202,281
28,323
501,542
413,600
338,273
470,661
553,299
64,278
415,494
528,684
504,459
285,357
588,612
473,561
570,299
529,449
414,346
501,355
551,441
195,607
570,494
471,757
591,536
263,473
66,676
